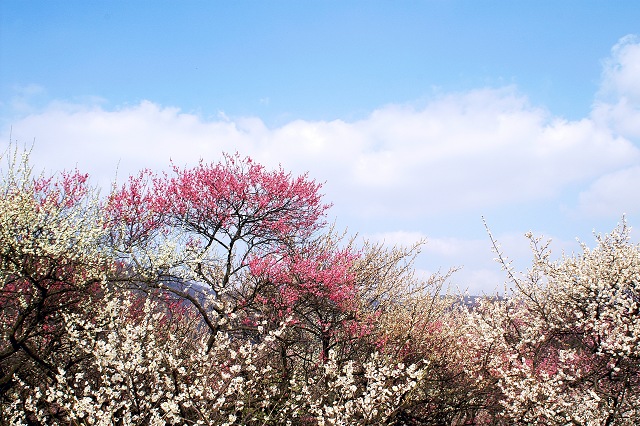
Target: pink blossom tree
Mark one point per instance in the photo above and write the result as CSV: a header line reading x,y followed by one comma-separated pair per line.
x,y
194,234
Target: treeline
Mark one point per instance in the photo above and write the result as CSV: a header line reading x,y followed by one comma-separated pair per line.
x,y
218,295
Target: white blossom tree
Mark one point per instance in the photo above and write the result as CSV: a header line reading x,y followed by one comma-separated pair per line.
x,y
51,261
565,346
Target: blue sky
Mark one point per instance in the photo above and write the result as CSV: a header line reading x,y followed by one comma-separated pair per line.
x,y
420,116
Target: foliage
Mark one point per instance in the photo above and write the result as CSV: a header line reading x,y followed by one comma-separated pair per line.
x,y
217,295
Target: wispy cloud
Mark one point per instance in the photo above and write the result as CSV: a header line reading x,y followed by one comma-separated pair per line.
x,y
612,194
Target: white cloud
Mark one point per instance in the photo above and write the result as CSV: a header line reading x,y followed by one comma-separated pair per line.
x,y
482,282
622,117
617,109
448,247
612,194
144,135
24,98
621,70
482,148
397,238
618,103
